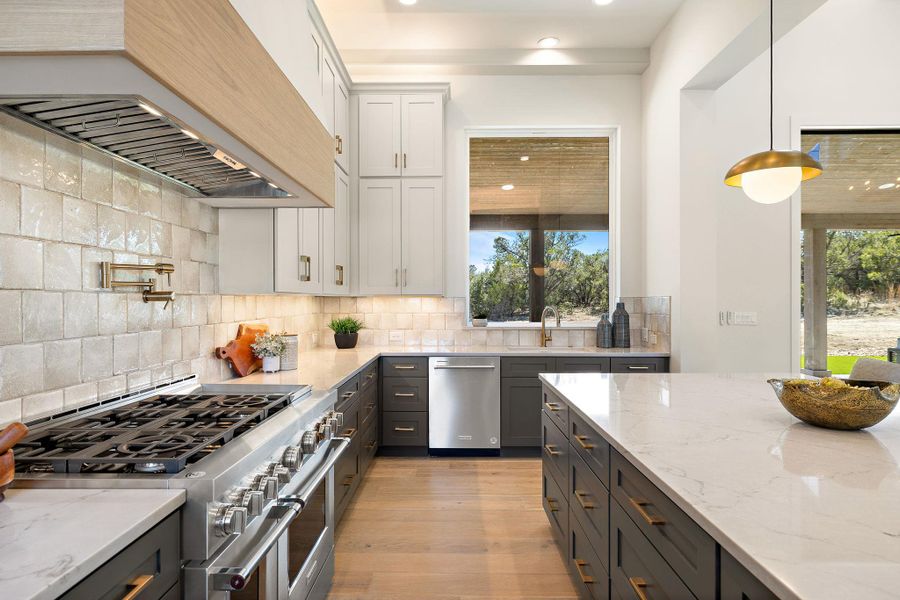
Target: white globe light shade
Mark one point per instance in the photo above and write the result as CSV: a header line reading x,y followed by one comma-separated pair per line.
x,y
769,186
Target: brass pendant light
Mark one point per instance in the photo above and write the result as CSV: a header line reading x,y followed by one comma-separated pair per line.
x,y
772,176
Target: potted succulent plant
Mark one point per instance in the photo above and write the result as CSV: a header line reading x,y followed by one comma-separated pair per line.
x,y
479,319
346,332
270,348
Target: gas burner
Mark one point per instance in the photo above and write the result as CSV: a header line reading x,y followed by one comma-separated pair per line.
x,y
244,401
159,445
150,467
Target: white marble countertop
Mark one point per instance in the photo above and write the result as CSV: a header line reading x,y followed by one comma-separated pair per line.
x,y
812,513
327,368
53,538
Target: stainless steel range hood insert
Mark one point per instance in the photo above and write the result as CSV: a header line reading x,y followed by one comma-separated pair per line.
x,y
131,129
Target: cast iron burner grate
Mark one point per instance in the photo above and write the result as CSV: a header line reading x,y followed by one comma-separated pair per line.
x,y
162,434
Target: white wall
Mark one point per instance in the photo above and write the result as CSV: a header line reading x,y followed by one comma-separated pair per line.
x,y
707,245
542,101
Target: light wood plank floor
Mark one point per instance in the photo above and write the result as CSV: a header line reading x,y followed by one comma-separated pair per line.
x,y
449,529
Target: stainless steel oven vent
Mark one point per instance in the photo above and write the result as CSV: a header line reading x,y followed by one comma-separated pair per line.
x,y
135,131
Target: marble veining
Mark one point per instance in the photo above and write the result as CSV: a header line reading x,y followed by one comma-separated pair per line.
x,y
812,513
53,538
326,368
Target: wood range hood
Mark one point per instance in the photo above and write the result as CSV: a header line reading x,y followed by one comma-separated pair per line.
x,y
180,88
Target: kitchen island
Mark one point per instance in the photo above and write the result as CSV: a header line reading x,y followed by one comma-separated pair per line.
x,y
809,512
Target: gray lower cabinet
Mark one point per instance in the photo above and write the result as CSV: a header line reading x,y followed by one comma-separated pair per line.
x,y
737,583
404,404
520,412
640,365
585,563
404,429
152,562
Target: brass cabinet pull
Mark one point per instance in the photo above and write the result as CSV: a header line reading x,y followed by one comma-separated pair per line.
x,y
638,585
551,502
140,583
585,578
549,448
340,274
404,395
347,395
552,406
405,429
371,405
639,506
338,144
404,367
580,496
349,432
348,481
581,440
404,160
307,263
370,445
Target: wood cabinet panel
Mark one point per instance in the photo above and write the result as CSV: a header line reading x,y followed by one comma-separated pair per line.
x,y
590,446
640,365
555,450
585,564
405,429
526,366
520,412
737,583
553,500
404,394
589,504
569,364
556,408
399,366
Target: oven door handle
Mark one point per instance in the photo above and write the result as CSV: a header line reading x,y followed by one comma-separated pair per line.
x,y
232,579
337,445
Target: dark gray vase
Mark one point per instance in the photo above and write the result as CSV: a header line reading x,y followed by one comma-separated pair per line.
x,y
346,340
604,332
621,327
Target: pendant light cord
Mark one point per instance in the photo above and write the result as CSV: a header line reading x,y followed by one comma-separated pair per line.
x,y
771,74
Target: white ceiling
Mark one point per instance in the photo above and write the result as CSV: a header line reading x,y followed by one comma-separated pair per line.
x,y
487,36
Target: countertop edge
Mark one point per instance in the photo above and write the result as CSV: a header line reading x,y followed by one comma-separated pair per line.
x,y
757,569
81,570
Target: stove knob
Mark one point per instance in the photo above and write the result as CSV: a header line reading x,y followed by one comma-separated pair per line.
x,y
333,424
339,417
308,442
252,500
267,485
279,472
324,431
230,519
292,458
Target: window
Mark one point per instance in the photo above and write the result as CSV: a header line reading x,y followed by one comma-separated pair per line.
x,y
539,221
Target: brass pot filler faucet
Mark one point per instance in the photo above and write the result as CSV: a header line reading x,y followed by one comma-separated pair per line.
x,y
150,293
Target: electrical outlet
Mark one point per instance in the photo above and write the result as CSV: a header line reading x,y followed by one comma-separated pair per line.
x,y
746,318
645,335
396,336
721,318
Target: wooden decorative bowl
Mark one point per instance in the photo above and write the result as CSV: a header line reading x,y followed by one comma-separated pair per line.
x,y
835,403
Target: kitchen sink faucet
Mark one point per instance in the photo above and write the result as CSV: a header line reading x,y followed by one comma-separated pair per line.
x,y
546,336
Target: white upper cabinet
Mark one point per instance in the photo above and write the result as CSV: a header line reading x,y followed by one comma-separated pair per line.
x,y
422,238
336,238
329,82
342,126
422,135
379,261
379,135
298,254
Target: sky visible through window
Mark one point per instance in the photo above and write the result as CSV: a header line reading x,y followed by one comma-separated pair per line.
x,y
481,244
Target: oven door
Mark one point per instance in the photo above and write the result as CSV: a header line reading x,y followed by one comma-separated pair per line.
x,y
261,563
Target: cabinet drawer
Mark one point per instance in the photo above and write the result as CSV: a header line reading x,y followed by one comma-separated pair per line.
x,y
589,504
689,550
555,450
582,364
347,393
526,366
398,366
737,583
368,407
556,507
590,446
556,408
369,376
405,429
640,365
346,475
408,394
350,428
368,447
156,554
638,570
587,567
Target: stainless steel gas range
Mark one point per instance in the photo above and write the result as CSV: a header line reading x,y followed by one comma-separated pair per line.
x,y
256,464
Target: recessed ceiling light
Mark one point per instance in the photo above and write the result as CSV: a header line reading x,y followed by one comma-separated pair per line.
x,y
548,42
869,182
150,109
850,188
602,2
408,2
885,186
524,158
507,187
190,134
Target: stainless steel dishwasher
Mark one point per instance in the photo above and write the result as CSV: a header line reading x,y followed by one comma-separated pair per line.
x,y
463,403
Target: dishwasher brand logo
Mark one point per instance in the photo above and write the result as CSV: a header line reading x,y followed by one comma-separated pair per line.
x,y
464,438
493,441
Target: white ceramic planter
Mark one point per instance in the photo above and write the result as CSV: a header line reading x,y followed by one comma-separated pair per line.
x,y
271,364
